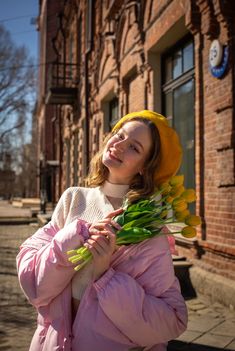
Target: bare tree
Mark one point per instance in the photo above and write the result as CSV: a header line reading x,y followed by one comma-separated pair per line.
x,y
17,84
17,99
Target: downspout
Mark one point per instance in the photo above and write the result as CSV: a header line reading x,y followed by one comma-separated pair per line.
x,y
87,113
58,111
64,46
89,19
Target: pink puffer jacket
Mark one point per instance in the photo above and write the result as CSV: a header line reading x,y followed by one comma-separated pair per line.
x,y
136,303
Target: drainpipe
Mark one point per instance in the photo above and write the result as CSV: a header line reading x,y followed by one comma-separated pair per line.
x,y
89,19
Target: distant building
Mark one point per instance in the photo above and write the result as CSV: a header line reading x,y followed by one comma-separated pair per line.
x,y
102,59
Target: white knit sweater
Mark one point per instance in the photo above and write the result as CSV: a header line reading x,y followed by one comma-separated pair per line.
x,y
88,204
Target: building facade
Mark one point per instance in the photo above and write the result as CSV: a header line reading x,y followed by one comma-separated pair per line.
x,y
102,59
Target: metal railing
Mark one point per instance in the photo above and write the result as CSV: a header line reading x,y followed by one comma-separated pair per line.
x,y
63,75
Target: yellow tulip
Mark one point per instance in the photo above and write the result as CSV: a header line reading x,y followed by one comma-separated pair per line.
x,y
189,232
177,180
169,199
176,191
180,207
179,204
189,195
180,216
165,188
192,220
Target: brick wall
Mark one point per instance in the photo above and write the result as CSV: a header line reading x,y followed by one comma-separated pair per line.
x,y
129,39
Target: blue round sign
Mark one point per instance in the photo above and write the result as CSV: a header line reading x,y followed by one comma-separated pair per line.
x,y
218,71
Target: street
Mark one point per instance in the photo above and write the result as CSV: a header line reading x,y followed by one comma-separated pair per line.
x,y
211,325
17,316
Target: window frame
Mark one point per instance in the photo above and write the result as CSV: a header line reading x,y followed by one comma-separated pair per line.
x,y
174,83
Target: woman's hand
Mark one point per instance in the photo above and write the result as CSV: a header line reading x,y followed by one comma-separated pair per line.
x,y
102,242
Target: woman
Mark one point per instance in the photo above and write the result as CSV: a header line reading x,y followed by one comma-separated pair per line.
x,y
127,297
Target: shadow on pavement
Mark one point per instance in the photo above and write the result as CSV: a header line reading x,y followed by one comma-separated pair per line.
x,y
184,346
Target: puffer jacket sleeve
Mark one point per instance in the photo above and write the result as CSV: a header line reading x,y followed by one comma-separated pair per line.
x,y
147,308
42,263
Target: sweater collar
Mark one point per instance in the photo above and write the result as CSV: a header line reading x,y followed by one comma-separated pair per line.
x,y
114,190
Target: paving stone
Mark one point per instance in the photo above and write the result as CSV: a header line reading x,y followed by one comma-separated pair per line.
x,y
17,316
226,328
195,303
217,305
203,323
231,346
197,307
209,311
189,336
218,341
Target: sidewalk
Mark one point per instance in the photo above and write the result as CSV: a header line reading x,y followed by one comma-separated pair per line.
x,y
15,215
9,211
211,326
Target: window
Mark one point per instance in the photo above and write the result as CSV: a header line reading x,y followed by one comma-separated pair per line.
x,y
71,57
75,159
178,101
79,44
178,62
67,162
113,112
89,24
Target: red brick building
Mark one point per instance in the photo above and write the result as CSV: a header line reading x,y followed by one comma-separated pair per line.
x,y
102,59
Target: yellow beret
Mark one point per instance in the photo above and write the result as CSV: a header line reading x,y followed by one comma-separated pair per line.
x,y
171,150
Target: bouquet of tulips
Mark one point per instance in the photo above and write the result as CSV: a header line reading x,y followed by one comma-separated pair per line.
x,y
146,218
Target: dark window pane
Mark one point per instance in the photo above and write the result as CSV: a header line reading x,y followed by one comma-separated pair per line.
x,y
168,69
75,160
68,170
168,106
184,124
177,64
113,111
188,57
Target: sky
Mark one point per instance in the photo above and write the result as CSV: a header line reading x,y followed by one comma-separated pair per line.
x,y
16,16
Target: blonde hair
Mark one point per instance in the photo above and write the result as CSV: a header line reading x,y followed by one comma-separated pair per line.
x,y
142,186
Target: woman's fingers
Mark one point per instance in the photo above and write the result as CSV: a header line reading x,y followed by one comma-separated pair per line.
x,y
112,240
115,213
101,245
102,225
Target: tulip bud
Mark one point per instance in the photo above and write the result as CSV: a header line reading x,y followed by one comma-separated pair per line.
x,y
180,207
165,188
176,191
179,204
180,216
192,220
177,180
169,199
189,195
189,232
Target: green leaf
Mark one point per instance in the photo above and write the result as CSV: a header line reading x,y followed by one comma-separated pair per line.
x,y
120,219
132,235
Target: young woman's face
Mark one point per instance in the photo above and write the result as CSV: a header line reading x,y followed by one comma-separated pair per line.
x,y
126,152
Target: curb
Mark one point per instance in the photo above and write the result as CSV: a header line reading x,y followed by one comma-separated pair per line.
x,y
217,288
17,220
